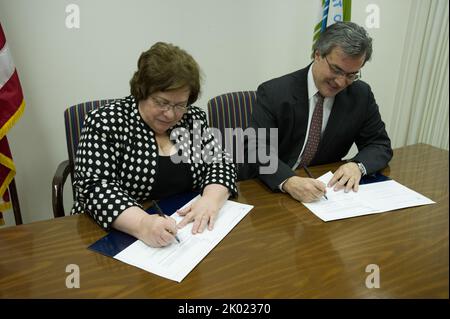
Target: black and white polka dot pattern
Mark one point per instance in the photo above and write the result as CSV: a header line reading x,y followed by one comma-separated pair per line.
x,y
117,154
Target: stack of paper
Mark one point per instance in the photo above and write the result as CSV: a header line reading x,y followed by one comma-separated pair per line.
x,y
178,259
370,199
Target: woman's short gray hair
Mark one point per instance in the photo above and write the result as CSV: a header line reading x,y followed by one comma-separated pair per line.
x,y
350,37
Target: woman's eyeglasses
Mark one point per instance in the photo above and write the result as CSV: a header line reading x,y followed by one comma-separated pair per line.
x,y
165,105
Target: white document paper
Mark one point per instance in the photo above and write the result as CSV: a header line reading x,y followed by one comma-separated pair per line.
x,y
178,259
370,199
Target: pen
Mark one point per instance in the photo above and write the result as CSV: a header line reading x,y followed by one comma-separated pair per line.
x,y
161,213
311,176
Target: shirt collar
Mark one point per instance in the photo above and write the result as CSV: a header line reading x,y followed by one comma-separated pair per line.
x,y
312,89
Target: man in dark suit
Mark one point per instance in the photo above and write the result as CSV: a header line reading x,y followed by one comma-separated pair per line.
x,y
319,112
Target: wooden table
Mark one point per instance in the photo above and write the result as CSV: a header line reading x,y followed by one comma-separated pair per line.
x,y
279,250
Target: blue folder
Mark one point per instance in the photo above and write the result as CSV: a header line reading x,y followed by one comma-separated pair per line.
x,y
116,241
373,178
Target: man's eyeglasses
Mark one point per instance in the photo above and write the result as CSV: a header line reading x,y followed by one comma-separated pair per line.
x,y
338,72
165,105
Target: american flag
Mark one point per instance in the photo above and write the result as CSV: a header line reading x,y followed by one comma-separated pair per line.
x,y
12,105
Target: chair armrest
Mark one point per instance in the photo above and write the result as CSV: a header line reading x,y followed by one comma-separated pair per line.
x,y
59,179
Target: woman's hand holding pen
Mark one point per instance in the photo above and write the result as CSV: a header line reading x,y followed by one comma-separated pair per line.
x,y
154,230
304,189
157,231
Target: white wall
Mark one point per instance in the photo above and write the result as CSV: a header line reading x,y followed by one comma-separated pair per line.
x,y
238,44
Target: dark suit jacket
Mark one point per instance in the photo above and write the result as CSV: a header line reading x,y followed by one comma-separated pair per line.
x,y
283,103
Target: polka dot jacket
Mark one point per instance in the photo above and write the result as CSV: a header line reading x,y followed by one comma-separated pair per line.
x,y
116,160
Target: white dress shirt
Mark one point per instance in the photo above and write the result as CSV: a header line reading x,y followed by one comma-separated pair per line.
x,y
312,100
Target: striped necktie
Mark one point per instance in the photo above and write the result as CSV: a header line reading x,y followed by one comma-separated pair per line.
x,y
315,131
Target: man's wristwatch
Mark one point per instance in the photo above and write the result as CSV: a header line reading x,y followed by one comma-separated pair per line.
x,y
361,167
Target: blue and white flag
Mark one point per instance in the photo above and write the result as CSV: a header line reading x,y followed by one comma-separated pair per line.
x,y
329,12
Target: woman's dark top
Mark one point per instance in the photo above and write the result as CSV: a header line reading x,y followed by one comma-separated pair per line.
x,y
170,178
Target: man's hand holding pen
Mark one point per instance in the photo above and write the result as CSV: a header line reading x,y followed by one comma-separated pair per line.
x,y
311,176
304,189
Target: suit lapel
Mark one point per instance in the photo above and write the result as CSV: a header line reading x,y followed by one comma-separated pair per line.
x,y
336,119
301,113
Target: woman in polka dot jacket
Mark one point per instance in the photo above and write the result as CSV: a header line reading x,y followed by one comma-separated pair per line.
x,y
128,152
